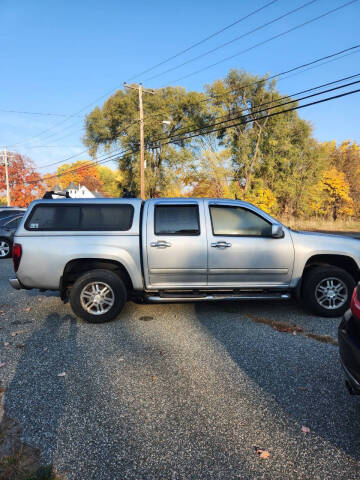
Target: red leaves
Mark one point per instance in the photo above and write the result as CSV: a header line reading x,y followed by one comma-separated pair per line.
x,y
21,171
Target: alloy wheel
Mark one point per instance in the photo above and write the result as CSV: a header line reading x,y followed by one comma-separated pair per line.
x,y
4,248
97,298
331,293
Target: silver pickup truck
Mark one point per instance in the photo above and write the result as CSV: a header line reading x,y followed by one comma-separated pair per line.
x,y
100,253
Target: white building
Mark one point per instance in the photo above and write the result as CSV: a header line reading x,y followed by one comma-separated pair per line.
x,y
79,191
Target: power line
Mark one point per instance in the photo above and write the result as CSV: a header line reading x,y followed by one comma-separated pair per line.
x,y
331,57
298,107
201,41
53,146
107,93
267,116
287,96
260,111
109,158
98,161
293,69
110,91
223,116
233,40
35,113
81,153
318,60
266,41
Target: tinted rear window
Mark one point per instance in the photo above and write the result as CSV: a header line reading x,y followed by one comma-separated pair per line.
x,y
81,218
177,220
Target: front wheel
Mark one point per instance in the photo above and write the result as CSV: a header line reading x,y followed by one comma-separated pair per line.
x,y
327,291
98,296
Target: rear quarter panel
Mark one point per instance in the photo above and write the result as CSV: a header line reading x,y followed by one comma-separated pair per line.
x,y
46,253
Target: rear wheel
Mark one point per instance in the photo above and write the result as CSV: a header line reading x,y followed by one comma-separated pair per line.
x,y
5,248
327,291
98,296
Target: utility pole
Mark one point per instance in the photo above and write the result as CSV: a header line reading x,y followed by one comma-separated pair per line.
x,y
140,89
5,160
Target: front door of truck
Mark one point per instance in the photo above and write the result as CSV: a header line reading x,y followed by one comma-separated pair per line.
x,y
241,249
175,244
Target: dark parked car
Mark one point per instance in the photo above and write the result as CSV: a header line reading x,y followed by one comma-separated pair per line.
x,y
349,343
7,211
8,226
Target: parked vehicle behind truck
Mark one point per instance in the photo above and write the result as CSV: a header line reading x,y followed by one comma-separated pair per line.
x,y
100,253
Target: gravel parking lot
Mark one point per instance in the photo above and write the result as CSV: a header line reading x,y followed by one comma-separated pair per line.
x,y
178,391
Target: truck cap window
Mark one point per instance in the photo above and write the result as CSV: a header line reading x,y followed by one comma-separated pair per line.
x,y
177,220
95,217
237,221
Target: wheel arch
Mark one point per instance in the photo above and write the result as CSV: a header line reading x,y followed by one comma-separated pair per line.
x,y
74,268
345,262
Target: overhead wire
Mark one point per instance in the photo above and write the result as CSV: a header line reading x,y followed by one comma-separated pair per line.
x,y
274,37
209,37
224,127
229,42
265,116
292,95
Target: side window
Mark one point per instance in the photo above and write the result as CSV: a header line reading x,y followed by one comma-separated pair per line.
x,y
177,220
93,217
238,221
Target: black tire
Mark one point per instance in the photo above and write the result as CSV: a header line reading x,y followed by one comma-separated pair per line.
x,y
117,294
5,240
311,292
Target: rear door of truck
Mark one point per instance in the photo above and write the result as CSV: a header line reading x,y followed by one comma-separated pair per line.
x,y
174,243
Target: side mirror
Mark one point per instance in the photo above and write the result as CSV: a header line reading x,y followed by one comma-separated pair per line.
x,y
277,231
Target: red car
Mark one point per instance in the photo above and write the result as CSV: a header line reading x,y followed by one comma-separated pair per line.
x,y
349,343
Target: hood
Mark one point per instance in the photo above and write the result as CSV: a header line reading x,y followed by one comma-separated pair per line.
x,y
340,235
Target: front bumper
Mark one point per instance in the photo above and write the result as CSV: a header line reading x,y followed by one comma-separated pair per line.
x,y
349,347
14,282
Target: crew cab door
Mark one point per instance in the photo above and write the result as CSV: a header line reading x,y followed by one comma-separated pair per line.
x,y
174,239
241,249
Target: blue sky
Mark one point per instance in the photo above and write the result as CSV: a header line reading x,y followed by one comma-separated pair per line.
x,y
57,57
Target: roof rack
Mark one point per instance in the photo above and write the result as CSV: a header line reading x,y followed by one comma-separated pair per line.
x,y
128,194
51,193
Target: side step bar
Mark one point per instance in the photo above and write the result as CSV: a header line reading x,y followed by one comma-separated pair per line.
x,y
214,297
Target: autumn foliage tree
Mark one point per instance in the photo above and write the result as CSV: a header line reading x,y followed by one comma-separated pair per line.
x,y
25,182
82,172
331,195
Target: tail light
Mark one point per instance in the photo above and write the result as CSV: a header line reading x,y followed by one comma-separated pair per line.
x,y
16,255
355,302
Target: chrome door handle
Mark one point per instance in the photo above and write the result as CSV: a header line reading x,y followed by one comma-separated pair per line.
x,y
221,244
160,244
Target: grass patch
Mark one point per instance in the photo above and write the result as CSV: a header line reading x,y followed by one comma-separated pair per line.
x,y
316,224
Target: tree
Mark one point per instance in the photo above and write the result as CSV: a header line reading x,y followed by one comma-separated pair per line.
x,y
346,158
275,154
112,181
82,172
332,195
263,198
116,126
212,175
25,182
